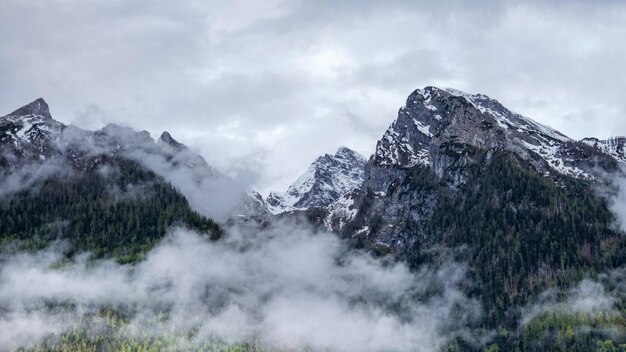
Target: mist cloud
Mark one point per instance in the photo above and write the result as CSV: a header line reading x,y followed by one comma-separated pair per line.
x,y
587,297
208,191
617,198
29,175
285,286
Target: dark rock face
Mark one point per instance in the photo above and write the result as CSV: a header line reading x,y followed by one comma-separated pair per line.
x,y
166,141
39,107
435,123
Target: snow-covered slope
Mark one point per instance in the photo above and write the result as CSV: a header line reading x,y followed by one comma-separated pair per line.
x,y
612,146
29,132
326,180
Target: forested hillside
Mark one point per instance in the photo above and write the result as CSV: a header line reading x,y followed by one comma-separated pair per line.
x,y
120,213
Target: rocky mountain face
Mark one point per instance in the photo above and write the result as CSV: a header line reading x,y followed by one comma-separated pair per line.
x,y
445,133
436,122
327,179
518,199
30,137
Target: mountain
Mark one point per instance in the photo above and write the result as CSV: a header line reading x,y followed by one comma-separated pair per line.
x,y
327,179
132,189
28,132
59,182
517,200
449,133
434,130
434,119
30,135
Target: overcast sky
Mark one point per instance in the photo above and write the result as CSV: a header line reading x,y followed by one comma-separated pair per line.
x,y
262,87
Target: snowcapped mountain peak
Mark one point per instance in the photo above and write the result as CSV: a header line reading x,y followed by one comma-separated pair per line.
x,y
475,98
326,180
505,118
345,151
38,108
435,121
349,155
29,130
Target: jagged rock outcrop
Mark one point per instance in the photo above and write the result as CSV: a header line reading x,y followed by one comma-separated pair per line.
x,y
38,107
167,142
28,132
326,180
613,146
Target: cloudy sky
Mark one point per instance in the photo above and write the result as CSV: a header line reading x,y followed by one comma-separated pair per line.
x,y
261,87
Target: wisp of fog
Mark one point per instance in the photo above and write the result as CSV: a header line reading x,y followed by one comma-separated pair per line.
x,y
285,286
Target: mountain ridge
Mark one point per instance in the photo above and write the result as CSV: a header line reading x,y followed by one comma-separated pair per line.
x,y
30,135
451,116
432,130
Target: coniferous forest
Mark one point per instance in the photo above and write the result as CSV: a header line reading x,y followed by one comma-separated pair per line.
x,y
122,214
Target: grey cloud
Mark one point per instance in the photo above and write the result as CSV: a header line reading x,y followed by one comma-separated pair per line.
x,y
247,78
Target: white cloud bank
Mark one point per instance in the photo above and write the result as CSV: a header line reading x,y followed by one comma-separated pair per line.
x,y
286,286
